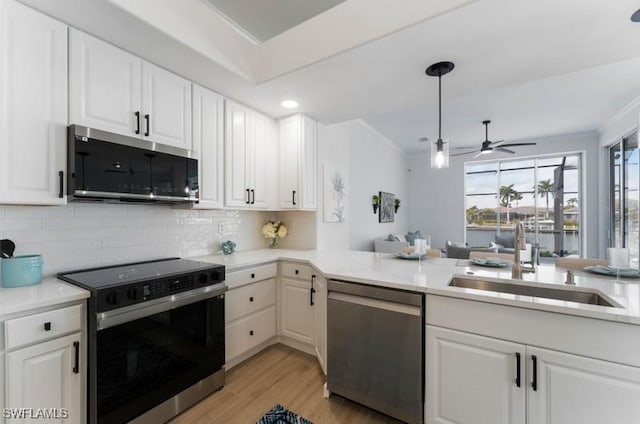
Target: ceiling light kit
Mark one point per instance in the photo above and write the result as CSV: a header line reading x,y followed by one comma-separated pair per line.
x,y
289,104
440,148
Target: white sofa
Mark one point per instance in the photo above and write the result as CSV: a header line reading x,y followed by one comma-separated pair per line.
x,y
383,246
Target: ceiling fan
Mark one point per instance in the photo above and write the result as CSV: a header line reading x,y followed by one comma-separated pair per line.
x,y
489,146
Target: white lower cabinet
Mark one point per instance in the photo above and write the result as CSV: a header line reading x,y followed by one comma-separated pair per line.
x,y
572,389
474,379
250,310
297,313
47,375
320,317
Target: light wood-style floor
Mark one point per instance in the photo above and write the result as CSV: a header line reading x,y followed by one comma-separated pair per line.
x,y
281,375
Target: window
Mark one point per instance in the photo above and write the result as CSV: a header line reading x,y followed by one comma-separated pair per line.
x,y
623,166
544,193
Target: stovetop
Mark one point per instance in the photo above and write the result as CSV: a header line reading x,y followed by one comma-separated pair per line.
x,y
98,278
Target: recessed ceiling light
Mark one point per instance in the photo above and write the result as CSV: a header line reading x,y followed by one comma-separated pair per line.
x,y
289,104
636,16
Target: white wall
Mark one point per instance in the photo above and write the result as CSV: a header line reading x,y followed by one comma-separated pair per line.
x,y
437,195
82,235
374,164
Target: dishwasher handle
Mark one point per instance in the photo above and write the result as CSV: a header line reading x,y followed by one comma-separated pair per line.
x,y
376,303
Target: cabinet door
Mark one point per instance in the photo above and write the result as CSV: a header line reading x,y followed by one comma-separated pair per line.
x,y
289,163
257,152
33,106
44,376
309,165
208,115
166,102
572,389
236,188
472,379
105,86
297,313
320,317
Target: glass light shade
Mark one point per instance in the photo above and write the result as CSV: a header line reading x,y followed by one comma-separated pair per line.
x,y
440,154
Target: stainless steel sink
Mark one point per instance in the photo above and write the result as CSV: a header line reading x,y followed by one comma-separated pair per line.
x,y
579,296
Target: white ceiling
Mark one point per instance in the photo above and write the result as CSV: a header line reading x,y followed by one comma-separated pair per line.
x,y
533,68
264,19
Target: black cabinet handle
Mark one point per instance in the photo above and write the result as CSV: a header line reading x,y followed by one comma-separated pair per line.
x,y
534,381
253,275
294,197
147,118
76,363
61,177
253,196
248,197
313,280
47,326
137,121
518,369
251,333
251,299
297,272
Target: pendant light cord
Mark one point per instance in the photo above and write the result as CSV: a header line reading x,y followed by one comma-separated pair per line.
x,y
440,106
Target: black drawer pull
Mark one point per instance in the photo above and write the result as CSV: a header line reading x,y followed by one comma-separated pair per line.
x,y
251,299
253,275
253,196
47,326
248,197
76,363
518,369
251,333
148,119
137,114
313,290
294,198
297,272
61,191
534,381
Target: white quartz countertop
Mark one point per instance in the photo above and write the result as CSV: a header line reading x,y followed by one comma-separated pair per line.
x,y
432,276
50,292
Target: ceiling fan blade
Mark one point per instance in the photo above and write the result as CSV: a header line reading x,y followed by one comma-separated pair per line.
x,y
466,147
502,149
480,153
497,143
465,153
517,144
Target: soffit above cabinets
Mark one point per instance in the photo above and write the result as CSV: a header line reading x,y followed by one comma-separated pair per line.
x,y
262,20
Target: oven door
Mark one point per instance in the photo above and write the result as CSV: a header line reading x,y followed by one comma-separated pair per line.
x,y
149,354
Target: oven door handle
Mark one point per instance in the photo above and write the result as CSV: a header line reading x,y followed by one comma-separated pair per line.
x,y
131,313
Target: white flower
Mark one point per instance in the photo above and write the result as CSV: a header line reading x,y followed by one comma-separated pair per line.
x,y
274,229
282,231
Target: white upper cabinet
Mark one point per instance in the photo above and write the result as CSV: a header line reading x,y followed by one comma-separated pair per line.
x,y
208,139
115,91
33,106
248,141
105,86
166,102
298,163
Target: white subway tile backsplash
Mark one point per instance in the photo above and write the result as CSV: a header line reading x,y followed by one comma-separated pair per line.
x,y
83,235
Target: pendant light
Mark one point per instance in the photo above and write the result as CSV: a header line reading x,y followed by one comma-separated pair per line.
x,y
440,148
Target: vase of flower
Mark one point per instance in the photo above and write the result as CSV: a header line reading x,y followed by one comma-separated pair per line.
x,y
274,231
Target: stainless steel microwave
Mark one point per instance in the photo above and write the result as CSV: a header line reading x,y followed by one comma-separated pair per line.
x,y
113,167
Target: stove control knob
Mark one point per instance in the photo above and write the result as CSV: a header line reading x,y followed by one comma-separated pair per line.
x,y
132,293
203,278
216,275
112,298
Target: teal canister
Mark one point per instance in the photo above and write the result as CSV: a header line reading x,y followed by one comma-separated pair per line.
x,y
20,271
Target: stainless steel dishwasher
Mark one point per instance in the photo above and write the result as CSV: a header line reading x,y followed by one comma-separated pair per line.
x,y
375,348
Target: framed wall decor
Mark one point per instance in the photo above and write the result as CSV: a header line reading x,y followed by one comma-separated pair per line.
x,y
387,205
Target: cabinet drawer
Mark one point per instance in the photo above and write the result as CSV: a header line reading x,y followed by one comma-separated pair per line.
x,y
250,332
248,299
249,275
296,270
37,327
